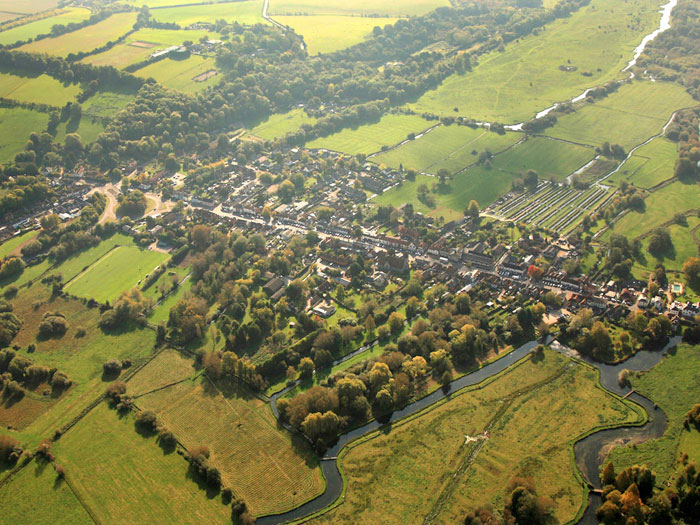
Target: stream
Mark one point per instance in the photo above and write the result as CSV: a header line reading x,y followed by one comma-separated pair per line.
x,y
587,450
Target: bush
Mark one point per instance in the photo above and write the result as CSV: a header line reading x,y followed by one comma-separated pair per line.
x,y
113,367
166,438
226,496
60,471
116,390
147,420
60,381
10,451
53,325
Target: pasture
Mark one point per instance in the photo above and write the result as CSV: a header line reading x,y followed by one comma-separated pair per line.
x,y
119,270
85,39
395,8
328,33
634,113
650,165
16,124
673,384
13,245
26,6
279,124
247,12
255,458
103,455
43,26
106,104
452,147
161,312
180,74
88,128
41,89
684,247
369,138
387,478
513,86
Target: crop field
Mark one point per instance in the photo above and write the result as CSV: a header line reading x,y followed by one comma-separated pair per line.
x,y
628,117
397,8
513,86
246,12
386,471
673,384
369,138
254,457
106,104
16,124
117,271
26,6
650,165
85,39
35,495
328,33
180,74
43,26
103,455
452,147
41,89
278,125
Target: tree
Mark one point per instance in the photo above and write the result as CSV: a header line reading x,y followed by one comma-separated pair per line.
x,y
286,191
535,272
50,222
691,269
319,427
472,209
201,236
531,179
370,326
306,368
524,506
396,322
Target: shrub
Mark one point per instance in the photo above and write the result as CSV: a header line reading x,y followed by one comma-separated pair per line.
x,y
60,471
147,420
112,367
53,325
80,332
226,495
10,451
60,382
167,438
116,390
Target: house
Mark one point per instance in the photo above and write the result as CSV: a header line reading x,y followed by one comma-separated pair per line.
x,y
324,310
642,301
274,285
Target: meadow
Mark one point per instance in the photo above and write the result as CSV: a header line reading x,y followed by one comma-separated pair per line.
x,y
451,147
369,138
650,165
279,124
106,103
104,453
386,471
513,86
247,12
328,33
88,128
396,8
180,74
673,384
12,245
44,25
26,6
16,124
684,247
255,458
85,39
119,270
635,112
41,89
161,312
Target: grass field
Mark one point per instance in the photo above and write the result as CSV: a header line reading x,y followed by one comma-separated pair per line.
x,y
684,247
160,313
41,89
513,86
26,6
43,26
278,125
370,138
650,165
170,366
328,33
85,39
106,104
450,147
357,7
12,245
104,455
634,113
179,74
117,271
388,481
674,385
35,496
255,458
16,124
88,129
245,12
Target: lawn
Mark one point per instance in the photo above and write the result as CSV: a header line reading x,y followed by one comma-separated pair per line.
x,y
161,312
43,26
628,117
673,384
278,125
12,245
106,104
452,147
180,74
369,138
356,7
88,128
532,411
650,165
35,496
85,39
119,270
245,12
16,124
123,475
512,86
256,459
41,89
328,33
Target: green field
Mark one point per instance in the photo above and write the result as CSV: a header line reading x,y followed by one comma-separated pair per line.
x,y
327,33
673,384
117,271
356,7
43,26
369,138
104,455
16,124
278,125
85,39
245,12
106,104
12,245
551,159
41,89
450,147
26,6
34,495
633,114
513,86
88,128
386,472
180,74
161,312
650,165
